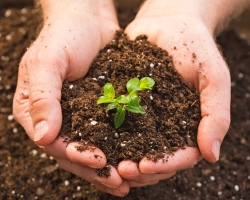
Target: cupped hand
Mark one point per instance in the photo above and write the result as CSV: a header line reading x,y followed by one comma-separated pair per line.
x,y
85,165
67,44
200,64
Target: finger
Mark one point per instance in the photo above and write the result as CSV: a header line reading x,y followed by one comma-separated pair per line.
x,y
89,174
135,184
37,99
46,76
120,191
91,157
215,111
21,101
129,170
181,159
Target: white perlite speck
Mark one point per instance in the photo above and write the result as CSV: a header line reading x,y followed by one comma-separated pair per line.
x,y
5,58
10,117
198,184
236,187
7,13
240,75
51,158
183,122
43,155
8,37
24,10
123,144
151,65
116,135
66,183
78,188
15,130
93,123
34,152
101,77
71,87
7,87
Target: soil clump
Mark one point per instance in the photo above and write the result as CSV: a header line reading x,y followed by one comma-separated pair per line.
x,y
172,108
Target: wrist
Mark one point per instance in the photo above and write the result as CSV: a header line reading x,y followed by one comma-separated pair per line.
x,y
213,14
55,9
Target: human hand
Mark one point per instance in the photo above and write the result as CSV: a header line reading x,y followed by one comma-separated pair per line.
x,y
188,38
72,35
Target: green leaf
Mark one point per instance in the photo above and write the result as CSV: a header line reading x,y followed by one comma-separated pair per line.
x,y
109,91
146,83
124,103
104,99
133,84
134,99
123,99
111,106
119,116
135,109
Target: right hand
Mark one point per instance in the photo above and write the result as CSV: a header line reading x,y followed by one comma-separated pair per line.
x,y
189,40
67,44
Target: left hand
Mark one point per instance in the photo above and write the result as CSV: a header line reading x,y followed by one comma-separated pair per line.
x,y
184,35
72,35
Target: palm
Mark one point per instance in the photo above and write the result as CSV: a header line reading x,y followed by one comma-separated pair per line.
x,y
63,50
75,43
199,63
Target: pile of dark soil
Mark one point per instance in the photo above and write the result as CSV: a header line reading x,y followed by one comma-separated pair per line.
x,y
28,173
172,109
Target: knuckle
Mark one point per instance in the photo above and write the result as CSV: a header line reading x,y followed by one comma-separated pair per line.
x,y
37,99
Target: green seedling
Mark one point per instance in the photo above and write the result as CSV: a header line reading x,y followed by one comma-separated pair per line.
x,y
123,103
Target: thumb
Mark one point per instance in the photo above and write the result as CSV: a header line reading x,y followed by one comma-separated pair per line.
x,y
214,123
45,95
214,86
40,79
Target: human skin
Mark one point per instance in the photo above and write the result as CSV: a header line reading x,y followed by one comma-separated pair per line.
x,y
187,31
72,35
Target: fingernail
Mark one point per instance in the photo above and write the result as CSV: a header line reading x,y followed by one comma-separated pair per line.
x,y
41,128
147,172
216,150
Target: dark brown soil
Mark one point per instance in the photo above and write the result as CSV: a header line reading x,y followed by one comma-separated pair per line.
x,y
28,173
172,109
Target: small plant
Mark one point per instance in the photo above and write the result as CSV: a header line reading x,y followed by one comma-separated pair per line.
x,y
123,103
